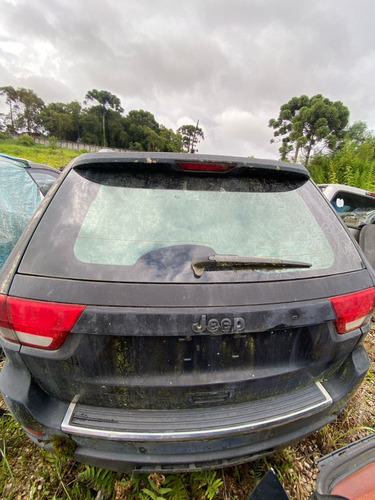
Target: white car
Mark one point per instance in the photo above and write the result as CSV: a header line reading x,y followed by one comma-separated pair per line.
x,y
355,206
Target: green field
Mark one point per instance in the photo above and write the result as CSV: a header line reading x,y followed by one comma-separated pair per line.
x,y
53,156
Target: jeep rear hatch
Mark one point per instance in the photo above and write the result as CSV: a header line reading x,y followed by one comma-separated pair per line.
x,y
148,220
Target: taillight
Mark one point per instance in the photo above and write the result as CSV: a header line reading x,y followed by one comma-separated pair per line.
x,y
34,432
37,323
206,167
353,309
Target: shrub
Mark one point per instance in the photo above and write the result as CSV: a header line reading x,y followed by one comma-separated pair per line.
x,y
26,140
52,142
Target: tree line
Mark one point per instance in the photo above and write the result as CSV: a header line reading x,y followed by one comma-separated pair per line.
x,y
311,130
316,132
99,120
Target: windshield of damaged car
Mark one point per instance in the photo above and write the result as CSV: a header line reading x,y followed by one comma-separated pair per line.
x,y
354,209
142,224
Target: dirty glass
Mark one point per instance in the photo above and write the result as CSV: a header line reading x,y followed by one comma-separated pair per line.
x,y
141,223
19,198
123,224
44,178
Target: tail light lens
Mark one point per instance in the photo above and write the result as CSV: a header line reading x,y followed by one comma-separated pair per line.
x,y
34,432
353,310
37,323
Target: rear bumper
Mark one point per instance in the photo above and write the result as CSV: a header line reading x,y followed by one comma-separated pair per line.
x,y
197,423
183,440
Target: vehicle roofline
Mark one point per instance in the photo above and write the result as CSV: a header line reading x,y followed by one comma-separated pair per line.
x,y
16,159
345,187
90,159
42,166
27,163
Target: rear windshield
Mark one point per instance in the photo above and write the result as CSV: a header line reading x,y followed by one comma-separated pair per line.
x,y
142,223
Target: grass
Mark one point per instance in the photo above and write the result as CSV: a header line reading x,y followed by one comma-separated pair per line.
x,y
55,157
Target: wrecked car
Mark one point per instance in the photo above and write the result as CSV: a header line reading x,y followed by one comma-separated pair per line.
x,y
23,185
171,312
355,206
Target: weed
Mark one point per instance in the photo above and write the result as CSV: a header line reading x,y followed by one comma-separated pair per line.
x,y
99,480
179,486
206,480
283,464
155,482
256,471
4,461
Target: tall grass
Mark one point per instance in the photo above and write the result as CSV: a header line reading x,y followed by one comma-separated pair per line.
x,y
53,156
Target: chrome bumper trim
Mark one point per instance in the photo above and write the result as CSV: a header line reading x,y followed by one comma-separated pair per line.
x,y
251,426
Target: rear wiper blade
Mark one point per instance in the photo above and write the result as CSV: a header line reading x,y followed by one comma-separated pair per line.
x,y
235,262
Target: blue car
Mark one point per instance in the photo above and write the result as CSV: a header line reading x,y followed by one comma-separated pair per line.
x,y
23,185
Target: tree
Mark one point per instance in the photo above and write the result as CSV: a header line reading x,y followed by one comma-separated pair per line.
x,y
91,127
106,101
358,132
172,141
29,118
153,140
309,124
11,98
62,120
117,136
74,109
142,130
102,122
191,135
24,109
143,119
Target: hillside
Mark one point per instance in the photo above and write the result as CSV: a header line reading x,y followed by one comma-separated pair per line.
x,y
53,156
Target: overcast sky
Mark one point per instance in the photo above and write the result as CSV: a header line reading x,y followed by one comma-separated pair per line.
x,y
229,63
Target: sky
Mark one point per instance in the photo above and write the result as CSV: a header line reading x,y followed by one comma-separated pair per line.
x,y
230,64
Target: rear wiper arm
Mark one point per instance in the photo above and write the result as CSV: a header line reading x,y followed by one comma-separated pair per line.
x,y
235,262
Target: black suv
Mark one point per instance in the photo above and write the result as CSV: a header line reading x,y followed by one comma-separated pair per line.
x,y
167,312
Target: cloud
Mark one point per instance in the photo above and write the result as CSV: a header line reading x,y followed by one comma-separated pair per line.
x,y
244,131
229,64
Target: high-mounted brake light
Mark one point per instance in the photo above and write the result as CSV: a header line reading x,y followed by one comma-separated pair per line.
x,y
37,323
206,167
353,310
